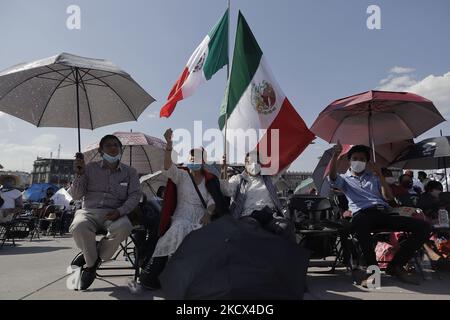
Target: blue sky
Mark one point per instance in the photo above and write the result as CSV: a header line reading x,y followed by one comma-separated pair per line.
x,y
319,51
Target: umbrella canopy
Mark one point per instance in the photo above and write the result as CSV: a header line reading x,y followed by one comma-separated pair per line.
x,y
228,259
150,183
37,191
322,185
428,154
376,117
141,151
304,186
71,91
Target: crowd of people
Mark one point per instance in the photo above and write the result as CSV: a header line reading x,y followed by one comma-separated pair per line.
x,y
194,197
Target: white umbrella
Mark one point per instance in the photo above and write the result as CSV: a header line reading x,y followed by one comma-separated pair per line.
x,y
72,92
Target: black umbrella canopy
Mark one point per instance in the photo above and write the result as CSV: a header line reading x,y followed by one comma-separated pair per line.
x,y
433,153
232,260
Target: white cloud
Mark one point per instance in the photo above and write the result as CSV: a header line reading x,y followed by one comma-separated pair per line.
x,y
434,88
399,70
397,83
17,156
45,140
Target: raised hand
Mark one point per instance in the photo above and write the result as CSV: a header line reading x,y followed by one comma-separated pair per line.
x,y
168,136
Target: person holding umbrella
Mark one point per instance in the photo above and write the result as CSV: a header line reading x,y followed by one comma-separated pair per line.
x,y
110,190
368,194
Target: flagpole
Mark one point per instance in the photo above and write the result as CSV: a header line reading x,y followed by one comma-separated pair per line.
x,y
228,78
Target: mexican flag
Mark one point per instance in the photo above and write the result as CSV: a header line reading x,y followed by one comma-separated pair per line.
x,y
209,57
254,100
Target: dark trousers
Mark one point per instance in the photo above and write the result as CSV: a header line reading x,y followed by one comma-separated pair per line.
x,y
150,274
277,225
371,219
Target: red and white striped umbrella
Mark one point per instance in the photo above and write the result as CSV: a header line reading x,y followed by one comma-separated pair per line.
x,y
141,151
376,117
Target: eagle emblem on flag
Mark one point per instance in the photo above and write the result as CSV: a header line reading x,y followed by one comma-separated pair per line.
x,y
263,97
200,63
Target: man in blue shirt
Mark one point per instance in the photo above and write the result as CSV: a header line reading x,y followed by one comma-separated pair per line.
x,y
368,195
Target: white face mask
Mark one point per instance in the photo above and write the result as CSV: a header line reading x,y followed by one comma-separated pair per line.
x,y
357,166
390,180
253,168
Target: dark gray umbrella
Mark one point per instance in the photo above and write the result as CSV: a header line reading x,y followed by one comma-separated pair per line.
x,y
232,260
322,185
433,153
71,91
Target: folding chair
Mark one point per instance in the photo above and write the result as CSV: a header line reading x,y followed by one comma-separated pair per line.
x,y
318,226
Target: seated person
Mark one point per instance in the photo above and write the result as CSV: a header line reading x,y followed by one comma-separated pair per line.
x,y
423,178
47,200
46,209
429,201
254,198
193,209
417,184
12,198
367,193
405,187
389,177
110,190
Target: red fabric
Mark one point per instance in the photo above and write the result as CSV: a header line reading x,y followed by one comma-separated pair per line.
x,y
170,203
175,95
398,191
294,135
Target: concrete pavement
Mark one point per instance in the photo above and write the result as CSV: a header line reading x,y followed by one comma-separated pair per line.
x,y
37,270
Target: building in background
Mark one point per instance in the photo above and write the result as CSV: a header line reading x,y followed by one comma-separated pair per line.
x,y
290,180
56,171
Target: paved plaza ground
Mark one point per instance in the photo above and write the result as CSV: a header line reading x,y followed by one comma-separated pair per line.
x,y
37,270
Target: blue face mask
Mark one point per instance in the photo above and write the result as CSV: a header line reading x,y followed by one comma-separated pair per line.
x,y
111,159
194,166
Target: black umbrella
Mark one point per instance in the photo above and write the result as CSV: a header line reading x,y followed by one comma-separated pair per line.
x,y
433,153
232,260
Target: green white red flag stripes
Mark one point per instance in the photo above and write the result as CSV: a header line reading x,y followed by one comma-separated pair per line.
x,y
209,57
254,100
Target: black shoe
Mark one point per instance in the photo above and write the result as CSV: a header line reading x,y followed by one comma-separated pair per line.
x,y
150,273
79,261
88,275
148,280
